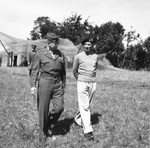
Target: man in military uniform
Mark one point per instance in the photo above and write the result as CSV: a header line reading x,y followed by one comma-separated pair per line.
x,y
32,58
50,62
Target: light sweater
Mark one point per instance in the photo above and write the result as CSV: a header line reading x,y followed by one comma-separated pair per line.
x,y
85,66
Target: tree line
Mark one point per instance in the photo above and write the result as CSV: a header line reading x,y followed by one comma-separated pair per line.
x,y
109,37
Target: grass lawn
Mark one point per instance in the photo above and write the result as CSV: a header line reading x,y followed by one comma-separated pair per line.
x,y
120,111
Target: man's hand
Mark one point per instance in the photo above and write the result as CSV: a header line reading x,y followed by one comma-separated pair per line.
x,y
33,91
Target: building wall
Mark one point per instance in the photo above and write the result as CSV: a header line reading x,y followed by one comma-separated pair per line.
x,y
18,53
7,61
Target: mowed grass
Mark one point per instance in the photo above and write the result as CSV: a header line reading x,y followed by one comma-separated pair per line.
x,y
120,112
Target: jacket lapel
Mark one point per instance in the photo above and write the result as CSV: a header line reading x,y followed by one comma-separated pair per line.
x,y
56,56
48,54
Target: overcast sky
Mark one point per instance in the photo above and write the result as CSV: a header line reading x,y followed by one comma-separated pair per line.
x,y
18,16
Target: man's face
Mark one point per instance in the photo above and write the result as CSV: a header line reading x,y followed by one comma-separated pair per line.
x,y
87,46
33,48
53,43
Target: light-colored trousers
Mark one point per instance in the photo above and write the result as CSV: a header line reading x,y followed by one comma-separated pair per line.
x,y
86,91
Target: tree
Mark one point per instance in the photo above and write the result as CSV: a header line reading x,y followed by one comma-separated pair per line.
x,y
146,44
130,37
73,28
110,37
109,40
42,26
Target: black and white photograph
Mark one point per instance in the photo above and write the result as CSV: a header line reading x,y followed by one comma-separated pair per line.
x,y
74,74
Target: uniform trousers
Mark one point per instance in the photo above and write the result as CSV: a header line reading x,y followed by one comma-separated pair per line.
x,y
49,90
86,91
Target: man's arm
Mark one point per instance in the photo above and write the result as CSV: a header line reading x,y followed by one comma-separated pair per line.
x,y
75,66
64,72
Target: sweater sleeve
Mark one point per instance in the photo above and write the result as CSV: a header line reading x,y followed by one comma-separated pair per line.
x,y
75,66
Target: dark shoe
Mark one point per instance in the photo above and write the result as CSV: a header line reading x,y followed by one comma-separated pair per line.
x,y
76,124
89,136
49,133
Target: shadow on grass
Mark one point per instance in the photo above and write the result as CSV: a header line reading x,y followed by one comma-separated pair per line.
x,y
95,118
63,126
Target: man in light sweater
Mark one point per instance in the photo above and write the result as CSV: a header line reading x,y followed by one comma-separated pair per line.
x,y
84,70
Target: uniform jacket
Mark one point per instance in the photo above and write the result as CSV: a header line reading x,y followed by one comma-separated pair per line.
x,y
48,66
